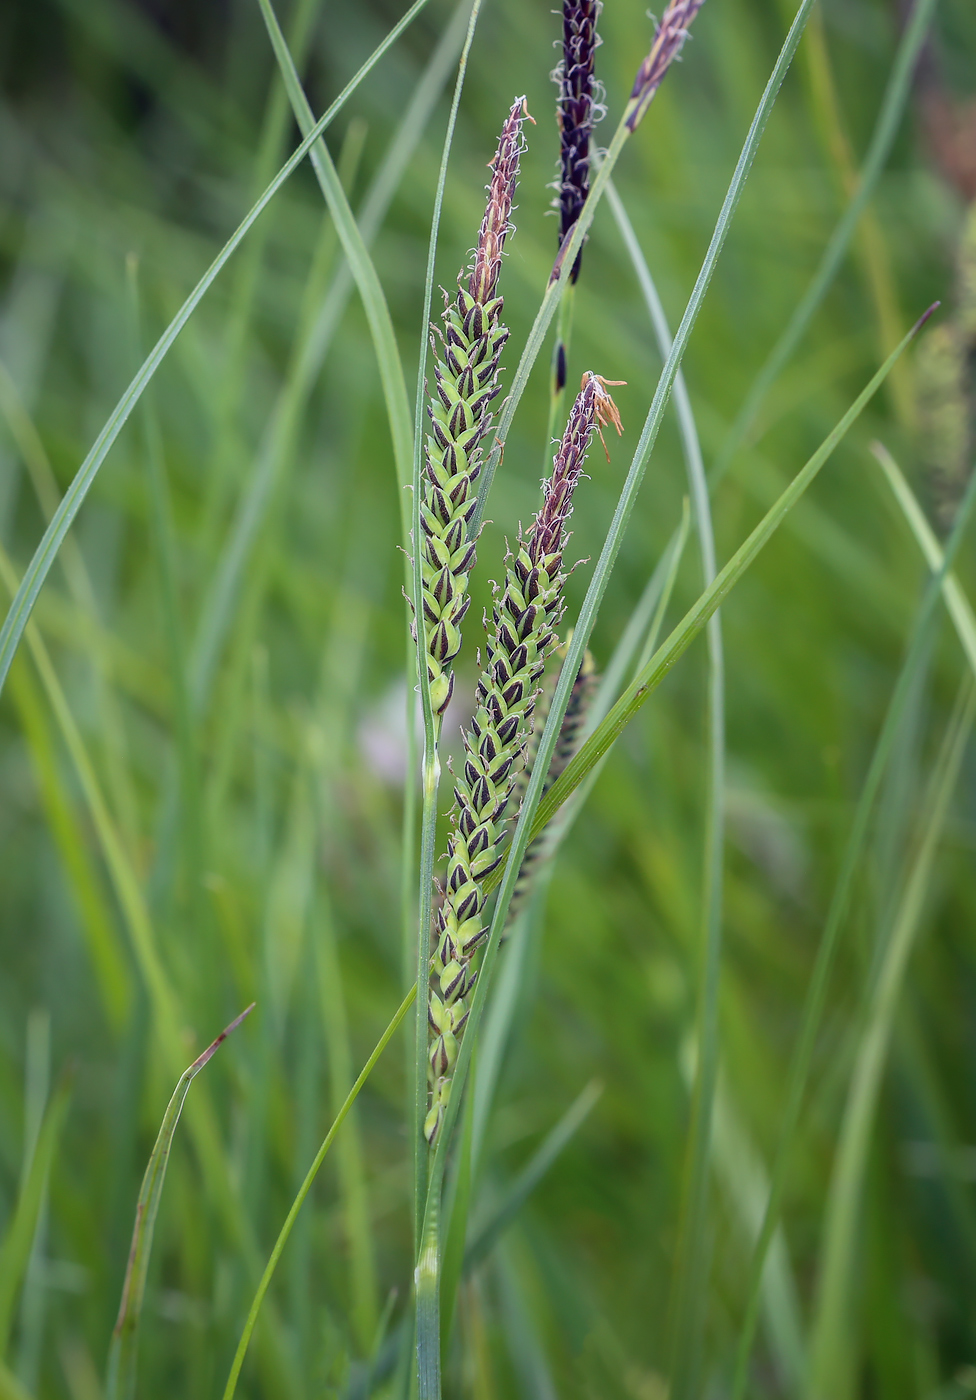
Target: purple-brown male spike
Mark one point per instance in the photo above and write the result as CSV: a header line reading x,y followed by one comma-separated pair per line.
x,y
575,110
669,37
593,410
497,221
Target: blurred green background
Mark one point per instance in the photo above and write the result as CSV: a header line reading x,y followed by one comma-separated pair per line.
x,y
226,624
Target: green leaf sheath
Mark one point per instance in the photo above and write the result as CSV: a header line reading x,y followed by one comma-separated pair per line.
x,y
525,614
466,366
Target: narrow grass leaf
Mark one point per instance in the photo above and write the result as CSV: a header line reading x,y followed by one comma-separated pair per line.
x,y
957,604
531,1174
605,735
889,116
121,1381
831,1354
47,551
836,913
360,262
303,1191
691,1266
16,1248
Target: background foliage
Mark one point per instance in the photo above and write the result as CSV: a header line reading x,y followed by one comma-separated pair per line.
x,y
242,712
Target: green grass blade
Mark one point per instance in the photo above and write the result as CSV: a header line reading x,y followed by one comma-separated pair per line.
x,y
47,550
268,465
362,265
886,128
121,1380
16,1247
957,604
456,1209
691,1264
10,1386
831,1360
603,737
362,1264
816,995
306,1186
532,1173
68,834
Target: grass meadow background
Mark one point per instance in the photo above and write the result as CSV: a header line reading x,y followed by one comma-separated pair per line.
x,y
203,744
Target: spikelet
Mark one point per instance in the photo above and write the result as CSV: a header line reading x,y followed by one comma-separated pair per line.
x,y
466,368
541,850
525,614
669,38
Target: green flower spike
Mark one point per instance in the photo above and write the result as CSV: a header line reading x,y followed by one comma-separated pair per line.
x,y
522,634
466,367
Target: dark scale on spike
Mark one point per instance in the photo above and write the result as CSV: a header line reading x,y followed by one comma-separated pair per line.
x,y
520,638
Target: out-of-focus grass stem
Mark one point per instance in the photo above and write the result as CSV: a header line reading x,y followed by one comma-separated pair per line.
x,y
691,1269
892,106
837,912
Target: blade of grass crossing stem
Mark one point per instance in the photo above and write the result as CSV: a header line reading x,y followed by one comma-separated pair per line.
x,y
831,1353
16,1247
230,389
306,1186
643,624
957,604
428,1344
47,550
163,537
892,106
532,1173
674,646
839,903
121,1380
419,935
691,1266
